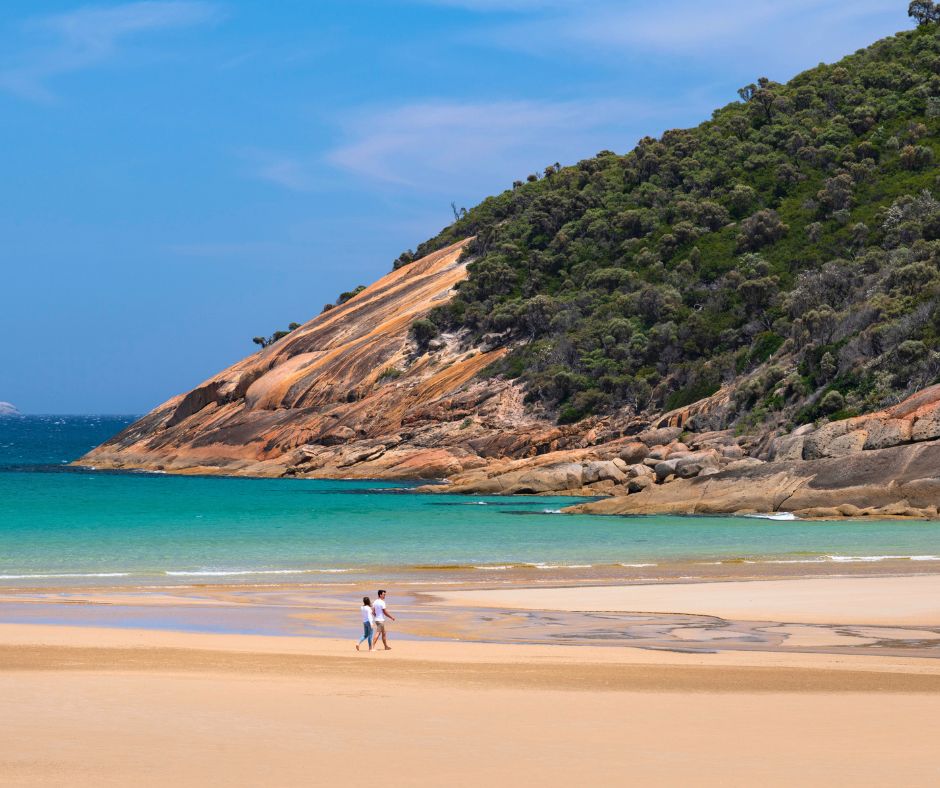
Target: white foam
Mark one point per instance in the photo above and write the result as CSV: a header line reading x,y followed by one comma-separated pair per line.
x,y
64,574
637,566
790,561
774,516
873,558
551,511
243,572
846,559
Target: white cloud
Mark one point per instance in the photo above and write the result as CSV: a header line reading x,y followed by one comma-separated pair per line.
x,y
90,35
437,144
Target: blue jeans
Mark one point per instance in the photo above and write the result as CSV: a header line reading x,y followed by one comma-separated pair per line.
x,y
366,632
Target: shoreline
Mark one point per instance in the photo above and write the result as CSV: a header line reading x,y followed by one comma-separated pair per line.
x,y
598,505
862,614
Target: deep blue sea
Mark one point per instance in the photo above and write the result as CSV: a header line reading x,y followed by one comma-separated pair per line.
x,y
60,524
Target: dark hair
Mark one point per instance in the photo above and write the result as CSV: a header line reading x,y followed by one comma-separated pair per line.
x,y
366,601
381,591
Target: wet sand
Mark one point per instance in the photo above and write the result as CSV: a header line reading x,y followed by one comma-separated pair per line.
x,y
833,600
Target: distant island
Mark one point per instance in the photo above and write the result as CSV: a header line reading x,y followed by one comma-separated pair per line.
x,y
8,409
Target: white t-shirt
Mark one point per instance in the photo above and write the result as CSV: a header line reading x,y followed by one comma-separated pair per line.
x,y
367,614
379,606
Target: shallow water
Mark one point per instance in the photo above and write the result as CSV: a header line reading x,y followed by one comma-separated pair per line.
x,y
64,526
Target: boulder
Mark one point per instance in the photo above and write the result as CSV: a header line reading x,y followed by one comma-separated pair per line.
x,y
664,469
851,443
744,463
659,452
661,436
620,464
927,425
816,443
694,463
883,433
786,447
550,478
639,483
634,452
640,471
602,470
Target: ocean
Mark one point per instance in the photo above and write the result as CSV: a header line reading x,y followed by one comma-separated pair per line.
x,y
61,525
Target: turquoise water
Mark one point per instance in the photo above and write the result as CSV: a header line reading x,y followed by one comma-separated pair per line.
x,y
60,524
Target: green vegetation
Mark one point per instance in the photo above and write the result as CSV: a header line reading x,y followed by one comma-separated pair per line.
x,y
789,246
343,298
265,341
390,373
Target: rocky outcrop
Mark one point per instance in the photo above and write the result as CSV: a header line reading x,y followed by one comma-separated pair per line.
x,y
898,481
914,420
349,395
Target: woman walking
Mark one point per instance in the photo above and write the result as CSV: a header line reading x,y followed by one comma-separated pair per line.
x,y
368,621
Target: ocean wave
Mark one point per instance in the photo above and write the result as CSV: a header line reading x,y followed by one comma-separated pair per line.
x,y
874,558
636,566
842,559
47,575
244,572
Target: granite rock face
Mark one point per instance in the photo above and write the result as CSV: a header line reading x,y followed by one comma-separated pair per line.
x,y
914,420
350,395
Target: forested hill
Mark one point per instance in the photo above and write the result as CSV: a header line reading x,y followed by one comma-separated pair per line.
x,y
789,245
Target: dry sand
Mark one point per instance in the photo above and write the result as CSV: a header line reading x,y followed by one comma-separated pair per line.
x,y
102,707
83,706
833,600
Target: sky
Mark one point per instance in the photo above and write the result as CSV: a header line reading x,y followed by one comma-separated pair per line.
x,y
179,176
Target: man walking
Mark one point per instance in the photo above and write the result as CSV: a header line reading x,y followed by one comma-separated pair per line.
x,y
380,613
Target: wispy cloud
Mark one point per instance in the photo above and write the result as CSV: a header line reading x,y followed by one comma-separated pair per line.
x,y
433,144
760,31
88,36
294,173
502,5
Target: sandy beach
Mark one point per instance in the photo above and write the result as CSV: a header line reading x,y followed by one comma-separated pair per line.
x,y
118,707
87,705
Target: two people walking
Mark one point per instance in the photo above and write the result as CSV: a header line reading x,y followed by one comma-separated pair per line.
x,y
373,621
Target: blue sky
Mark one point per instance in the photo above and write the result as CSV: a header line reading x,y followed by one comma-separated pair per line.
x,y
182,175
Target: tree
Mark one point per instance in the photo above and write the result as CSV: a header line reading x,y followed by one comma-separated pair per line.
x,y
459,213
262,341
924,12
760,95
424,331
